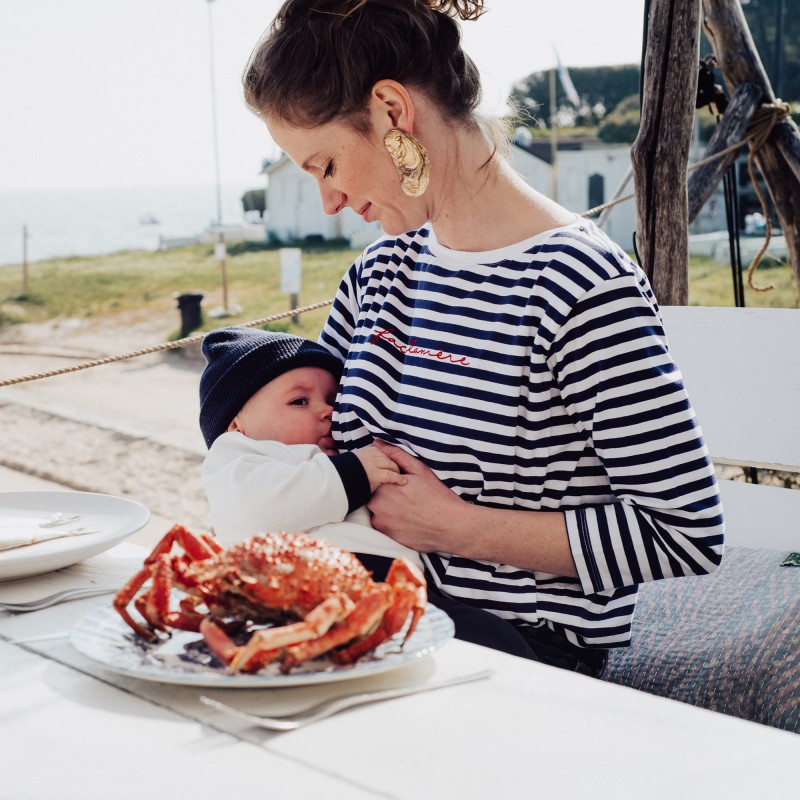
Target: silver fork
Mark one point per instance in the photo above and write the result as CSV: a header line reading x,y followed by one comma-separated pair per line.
x,y
53,599
329,707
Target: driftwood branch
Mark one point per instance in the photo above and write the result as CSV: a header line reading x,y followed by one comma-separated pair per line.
x,y
779,156
787,140
660,153
731,131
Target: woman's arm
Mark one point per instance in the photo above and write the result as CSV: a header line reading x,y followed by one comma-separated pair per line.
x,y
660,516
427,516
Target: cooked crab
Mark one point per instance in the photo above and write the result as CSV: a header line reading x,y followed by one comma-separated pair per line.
x,y
319,598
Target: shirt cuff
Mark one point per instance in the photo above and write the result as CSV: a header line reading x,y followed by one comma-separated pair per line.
x,y
583,540
354,479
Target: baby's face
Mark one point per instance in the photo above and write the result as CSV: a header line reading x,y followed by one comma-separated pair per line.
x,y
295,408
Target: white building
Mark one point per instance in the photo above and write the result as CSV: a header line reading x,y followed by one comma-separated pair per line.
x,y
592,176
587,177
295,211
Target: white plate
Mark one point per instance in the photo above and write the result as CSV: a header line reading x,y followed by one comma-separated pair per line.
x,y
184,658
114,518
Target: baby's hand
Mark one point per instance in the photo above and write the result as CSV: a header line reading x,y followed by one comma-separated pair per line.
x,y
379,467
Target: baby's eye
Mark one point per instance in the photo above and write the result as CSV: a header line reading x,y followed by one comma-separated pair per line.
x,y
299,401
328,170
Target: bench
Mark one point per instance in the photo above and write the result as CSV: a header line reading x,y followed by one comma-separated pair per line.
x,y
730,641
741,367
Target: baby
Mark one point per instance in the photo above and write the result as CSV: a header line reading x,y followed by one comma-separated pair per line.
x,y
266,401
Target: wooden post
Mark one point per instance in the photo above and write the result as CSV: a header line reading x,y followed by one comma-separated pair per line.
x,y
730,131
553,139
221,251
779,157
25,260
660,154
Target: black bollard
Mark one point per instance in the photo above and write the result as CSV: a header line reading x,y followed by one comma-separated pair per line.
x,y
191,313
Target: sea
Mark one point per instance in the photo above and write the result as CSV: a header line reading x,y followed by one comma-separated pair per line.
x,y
96,221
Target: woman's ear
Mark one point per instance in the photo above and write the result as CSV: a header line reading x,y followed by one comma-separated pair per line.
x,y
391,106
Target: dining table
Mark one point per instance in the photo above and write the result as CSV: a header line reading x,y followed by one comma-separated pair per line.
x,y
73,727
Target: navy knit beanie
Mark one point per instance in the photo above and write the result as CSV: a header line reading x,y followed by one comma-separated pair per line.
x,y
242,360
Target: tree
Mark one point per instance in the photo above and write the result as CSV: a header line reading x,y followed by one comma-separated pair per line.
x,y
621,124
600,89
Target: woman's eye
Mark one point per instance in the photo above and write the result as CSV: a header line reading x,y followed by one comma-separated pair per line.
x,y
328,170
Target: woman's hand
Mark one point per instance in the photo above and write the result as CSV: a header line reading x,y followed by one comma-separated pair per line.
x,y
428,517
420,513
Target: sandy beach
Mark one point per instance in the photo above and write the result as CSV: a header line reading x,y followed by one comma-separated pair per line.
x,y
127,428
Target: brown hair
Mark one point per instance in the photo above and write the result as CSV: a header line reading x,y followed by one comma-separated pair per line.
x,y
319,59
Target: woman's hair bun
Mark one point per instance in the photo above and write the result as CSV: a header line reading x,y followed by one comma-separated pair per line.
x,y
463,9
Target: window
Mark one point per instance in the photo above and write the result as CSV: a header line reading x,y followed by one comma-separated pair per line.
x,y
597,190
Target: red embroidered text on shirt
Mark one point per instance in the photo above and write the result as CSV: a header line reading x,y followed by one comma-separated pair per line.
x,y
412,350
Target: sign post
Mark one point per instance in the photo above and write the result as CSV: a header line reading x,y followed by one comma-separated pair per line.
x,y
291,271
220,251
25,260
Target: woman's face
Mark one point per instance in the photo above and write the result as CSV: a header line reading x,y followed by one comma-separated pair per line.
x,y
352,170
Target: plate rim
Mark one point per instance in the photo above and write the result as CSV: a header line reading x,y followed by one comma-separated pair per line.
x,y
21,562
106,615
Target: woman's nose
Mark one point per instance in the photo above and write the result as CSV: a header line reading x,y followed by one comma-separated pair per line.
x,y
332,200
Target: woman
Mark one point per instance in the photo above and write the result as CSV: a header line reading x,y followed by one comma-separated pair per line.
x,y
509,346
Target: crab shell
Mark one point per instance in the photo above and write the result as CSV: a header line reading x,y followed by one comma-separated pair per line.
x,y
275,577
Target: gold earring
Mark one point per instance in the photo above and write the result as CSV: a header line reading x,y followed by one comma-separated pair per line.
x,y
411,159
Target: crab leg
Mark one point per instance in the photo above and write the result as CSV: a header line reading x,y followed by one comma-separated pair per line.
x,y
410,596
405,577
198,546
316,623
124,597
267,645
154,605
366,615
225,649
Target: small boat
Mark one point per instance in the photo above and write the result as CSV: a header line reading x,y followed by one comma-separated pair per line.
x,y
148,219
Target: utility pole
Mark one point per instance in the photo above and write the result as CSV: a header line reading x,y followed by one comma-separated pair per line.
x,y
214,110
553,139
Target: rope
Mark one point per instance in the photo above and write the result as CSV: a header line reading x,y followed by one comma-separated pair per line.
x,y
707,160
764,120
766,116
158,347
761,125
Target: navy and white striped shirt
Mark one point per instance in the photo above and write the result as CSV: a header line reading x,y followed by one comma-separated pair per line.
x,y
535,377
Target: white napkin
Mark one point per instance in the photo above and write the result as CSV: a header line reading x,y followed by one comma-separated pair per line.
x,y
22,531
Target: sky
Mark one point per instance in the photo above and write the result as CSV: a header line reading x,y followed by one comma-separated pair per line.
x,y
119,92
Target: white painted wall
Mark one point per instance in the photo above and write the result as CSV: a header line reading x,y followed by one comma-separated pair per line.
x,y
295,209
612,162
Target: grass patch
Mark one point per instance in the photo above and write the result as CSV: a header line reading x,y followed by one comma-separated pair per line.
x,y
711,284
138,284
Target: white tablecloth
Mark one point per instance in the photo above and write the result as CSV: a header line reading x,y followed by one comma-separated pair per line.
x,y
72,728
